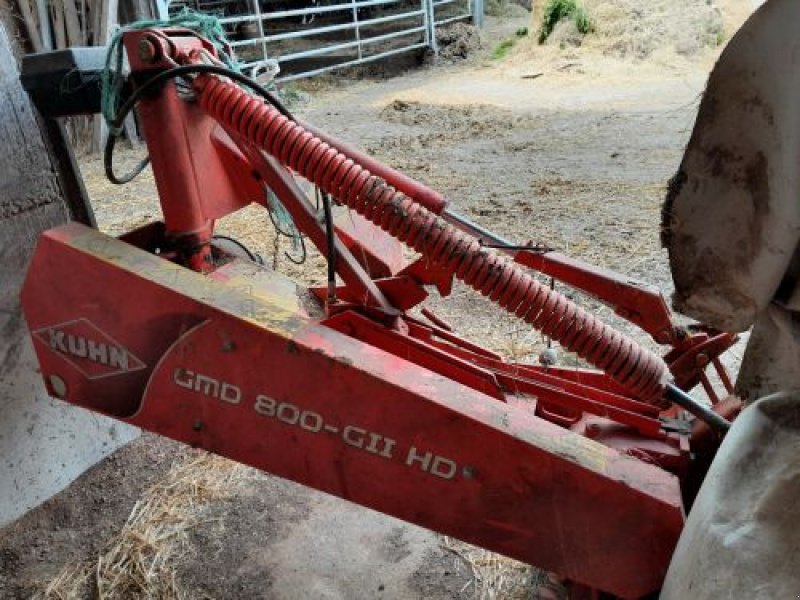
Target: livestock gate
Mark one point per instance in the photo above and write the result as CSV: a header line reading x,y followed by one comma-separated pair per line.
x,y
307,37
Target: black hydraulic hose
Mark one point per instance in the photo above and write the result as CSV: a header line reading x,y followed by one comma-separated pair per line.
x,y
704,413
163,77
330,234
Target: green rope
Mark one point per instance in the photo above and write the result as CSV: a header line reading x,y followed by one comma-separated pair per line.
x,y
284,219
112,78
112,81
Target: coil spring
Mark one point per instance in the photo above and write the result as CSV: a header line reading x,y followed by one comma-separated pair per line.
x,y
638,370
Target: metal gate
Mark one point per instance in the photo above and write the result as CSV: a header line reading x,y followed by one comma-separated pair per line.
x,y
308,37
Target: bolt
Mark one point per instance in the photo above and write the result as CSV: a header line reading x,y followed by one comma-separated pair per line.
x,y
548,357
198,425
701,360
148,51
468,472
228,346
58,386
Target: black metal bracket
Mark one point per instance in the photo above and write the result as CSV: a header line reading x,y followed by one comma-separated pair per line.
x,y
64,82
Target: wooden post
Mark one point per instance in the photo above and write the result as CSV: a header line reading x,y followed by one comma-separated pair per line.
x,y
31,26
44,25
75,36
44,444
107,19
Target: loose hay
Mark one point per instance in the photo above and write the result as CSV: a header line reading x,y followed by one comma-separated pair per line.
x,y
457,41
498,577
676,34
631,29
139,562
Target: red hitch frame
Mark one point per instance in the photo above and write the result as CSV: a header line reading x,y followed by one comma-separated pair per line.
x,y
578,471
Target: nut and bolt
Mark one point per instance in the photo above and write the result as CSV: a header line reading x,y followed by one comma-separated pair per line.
x,y
148,50
58,386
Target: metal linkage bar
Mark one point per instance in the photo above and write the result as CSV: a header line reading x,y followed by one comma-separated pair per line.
x,y
702,412
428,15
464,13
344,46
353,62
299,12
453,19
329,29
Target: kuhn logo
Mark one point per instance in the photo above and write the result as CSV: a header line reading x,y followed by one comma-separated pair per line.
x,y
90,350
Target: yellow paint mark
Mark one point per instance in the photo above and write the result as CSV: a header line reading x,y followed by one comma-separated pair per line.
x,y
582,450
237,296
576,448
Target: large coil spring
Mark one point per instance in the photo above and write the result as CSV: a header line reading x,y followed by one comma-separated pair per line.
x,y
638,370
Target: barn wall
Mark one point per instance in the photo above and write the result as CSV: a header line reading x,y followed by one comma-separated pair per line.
x,y
44,444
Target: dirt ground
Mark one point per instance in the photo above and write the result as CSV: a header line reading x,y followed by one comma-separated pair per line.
x,y
562,145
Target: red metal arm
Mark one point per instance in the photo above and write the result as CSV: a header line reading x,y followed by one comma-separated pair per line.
x,y
638,302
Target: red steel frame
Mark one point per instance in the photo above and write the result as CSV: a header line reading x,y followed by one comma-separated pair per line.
x,y
560,468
